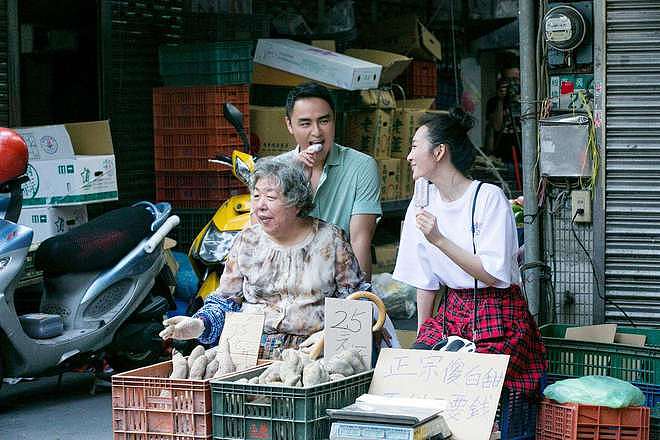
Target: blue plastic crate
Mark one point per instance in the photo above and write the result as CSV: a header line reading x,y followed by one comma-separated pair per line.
x,y
517,416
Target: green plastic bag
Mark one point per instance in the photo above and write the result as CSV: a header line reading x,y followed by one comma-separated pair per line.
x,y
596,390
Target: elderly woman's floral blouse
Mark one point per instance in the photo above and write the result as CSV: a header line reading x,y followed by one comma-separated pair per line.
x,y
290,284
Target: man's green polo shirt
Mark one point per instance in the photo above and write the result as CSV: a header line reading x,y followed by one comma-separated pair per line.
x,y
349,185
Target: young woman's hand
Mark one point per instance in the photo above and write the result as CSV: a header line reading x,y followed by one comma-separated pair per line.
x,y
426,222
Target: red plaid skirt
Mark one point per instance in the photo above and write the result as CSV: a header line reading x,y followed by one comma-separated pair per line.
x,y
504,326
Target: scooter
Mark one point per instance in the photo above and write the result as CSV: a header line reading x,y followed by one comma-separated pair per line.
x,y
97,297
210,248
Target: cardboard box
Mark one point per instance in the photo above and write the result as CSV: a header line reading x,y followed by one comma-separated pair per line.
x,y
405,123
406,35
48,221
268,126
384,257
318,64
269,76
81,170
406,183
374,98
390,176
370,132
393,64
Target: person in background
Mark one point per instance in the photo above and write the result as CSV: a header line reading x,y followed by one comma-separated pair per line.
x,y
345,182
283,266
463,236
503,112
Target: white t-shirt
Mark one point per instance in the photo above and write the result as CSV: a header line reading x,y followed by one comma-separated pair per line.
x,y
422,265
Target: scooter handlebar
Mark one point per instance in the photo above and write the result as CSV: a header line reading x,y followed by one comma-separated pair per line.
x,y
161,233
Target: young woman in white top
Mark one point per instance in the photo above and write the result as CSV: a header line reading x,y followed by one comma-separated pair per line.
x,y
466,232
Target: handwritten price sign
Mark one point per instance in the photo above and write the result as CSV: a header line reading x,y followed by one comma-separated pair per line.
x,y
242,331
471,384
348,325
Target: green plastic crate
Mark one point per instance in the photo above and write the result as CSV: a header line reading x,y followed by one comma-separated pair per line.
x,y
246,411
655,427
577,358
219,63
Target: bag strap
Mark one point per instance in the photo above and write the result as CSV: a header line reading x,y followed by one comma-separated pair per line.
x,y
474,249
474,293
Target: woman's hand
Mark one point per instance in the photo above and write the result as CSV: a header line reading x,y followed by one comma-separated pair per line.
x,y
182,327
427,223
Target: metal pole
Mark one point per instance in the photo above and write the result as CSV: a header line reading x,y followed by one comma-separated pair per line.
x,y
527,26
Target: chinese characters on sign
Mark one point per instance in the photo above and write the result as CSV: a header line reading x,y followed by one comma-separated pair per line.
x,y
348,324
470,383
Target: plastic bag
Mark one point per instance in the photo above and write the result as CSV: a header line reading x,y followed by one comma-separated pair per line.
x,y
596,390
400,299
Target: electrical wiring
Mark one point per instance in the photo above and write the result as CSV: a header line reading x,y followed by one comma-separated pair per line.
x,y
591,149
593,269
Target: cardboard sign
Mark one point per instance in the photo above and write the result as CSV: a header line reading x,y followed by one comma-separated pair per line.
x,y
348,325
471,384
603,333
243,333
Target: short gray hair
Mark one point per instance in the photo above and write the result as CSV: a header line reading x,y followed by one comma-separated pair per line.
x,y
290,177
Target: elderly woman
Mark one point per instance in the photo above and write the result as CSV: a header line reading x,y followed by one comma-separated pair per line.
x,y
284,266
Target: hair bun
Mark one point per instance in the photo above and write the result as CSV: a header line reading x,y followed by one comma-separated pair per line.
x,y
462,119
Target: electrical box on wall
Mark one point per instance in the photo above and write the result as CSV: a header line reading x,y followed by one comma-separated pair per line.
x,y
564,146
568,31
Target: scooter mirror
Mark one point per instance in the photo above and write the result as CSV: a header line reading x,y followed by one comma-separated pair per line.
x,y
233,115
235,118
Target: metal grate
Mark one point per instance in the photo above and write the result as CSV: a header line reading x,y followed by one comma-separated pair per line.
x,y
571,273
4,73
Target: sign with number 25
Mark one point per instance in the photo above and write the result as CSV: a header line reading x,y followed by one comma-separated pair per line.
x,y
348,324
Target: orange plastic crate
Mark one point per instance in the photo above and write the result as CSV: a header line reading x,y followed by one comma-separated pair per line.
x,y
190,150
420,80
573,421
148,405
198,107
197,190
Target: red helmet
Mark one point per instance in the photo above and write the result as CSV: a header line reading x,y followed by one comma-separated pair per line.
x,y
13,155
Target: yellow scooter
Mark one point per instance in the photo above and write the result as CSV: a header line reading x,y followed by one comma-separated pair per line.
x,y
209,250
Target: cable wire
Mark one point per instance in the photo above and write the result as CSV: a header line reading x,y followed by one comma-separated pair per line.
x,y
593,269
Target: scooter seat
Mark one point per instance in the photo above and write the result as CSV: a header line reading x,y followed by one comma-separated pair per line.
x,y
96,245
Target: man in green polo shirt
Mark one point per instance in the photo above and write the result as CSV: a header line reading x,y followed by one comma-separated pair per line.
x,y
346,182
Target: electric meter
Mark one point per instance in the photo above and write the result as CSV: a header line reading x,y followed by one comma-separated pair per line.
x,y
564,27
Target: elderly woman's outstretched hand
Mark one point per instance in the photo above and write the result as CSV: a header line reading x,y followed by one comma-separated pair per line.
x,y
427,223
182,327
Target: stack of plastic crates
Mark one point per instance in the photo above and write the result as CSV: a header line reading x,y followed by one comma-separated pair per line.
x,y
219,63
243,410
420,80
637,365
190,129
224,27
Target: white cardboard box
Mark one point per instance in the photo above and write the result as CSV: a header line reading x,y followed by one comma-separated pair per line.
x,y
317,64
70,164
47,221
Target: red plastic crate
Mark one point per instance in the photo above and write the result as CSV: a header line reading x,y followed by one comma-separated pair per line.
x,y
197,190
148,405
198,107
573,421
190,150
420,80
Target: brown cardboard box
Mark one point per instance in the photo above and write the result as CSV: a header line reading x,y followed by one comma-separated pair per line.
x,y
406,35
406,121
270,76
393,63
267,124
406,184
389,178
370,132
374,98
385,257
